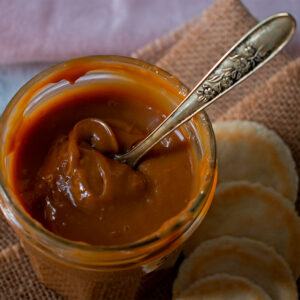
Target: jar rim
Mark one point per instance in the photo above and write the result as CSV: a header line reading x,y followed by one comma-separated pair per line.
x,y
152,238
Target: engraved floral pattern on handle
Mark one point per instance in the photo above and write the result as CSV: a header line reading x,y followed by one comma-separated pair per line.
x,y
231,70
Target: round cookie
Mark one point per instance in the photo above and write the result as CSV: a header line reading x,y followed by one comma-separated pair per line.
x,y
243,209
223,287
244,257
249,151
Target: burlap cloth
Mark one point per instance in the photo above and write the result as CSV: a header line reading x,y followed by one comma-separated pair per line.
x,y
271,96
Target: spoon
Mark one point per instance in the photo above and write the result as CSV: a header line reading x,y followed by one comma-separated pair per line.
x,y
249,54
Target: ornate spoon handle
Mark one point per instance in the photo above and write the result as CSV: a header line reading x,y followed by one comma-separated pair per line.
x,y
249,54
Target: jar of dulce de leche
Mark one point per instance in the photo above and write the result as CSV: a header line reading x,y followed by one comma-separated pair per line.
x,y
92,227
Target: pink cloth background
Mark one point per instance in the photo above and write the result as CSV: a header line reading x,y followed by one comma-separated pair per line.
x,y
53,30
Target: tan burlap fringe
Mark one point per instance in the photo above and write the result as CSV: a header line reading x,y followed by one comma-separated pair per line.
x,y
271,97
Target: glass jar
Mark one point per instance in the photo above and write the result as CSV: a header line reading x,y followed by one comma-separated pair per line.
x,y
81,271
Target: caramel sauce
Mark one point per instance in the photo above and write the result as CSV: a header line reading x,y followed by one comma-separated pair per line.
x,y
64,177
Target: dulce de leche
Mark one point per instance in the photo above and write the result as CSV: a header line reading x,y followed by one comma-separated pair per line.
x,y
94,228
63,174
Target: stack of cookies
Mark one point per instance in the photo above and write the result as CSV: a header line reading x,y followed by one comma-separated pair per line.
x,y
248,246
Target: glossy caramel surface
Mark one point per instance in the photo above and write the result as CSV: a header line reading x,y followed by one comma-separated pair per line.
x,y
64,178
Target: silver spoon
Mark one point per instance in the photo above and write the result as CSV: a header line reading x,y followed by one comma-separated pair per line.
x,y
249,54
